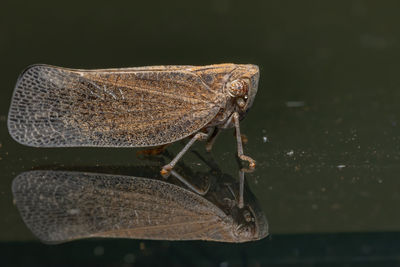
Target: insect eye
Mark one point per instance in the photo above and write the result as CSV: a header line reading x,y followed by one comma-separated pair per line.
x,y
247,216
238,88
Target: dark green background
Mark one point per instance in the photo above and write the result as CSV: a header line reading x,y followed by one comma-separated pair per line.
x,y
340,58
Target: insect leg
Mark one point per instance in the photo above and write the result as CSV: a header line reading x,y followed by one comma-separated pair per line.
x,y
193,187
242,171
228,122
241,188
211,140
165,171
252,162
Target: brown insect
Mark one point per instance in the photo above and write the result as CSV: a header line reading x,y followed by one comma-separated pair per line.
x,y
131,107
59,206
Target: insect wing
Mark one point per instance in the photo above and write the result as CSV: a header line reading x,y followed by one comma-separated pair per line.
x,y
61,206
136,107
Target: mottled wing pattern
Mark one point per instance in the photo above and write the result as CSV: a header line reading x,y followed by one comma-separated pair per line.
x,y
61,206
137,107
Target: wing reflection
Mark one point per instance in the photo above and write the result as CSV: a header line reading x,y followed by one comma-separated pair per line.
x,y
60,206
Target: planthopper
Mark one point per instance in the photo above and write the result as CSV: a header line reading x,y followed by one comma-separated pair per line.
x,y
131,107
61,206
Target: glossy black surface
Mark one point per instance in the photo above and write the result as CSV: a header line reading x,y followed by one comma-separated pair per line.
x,y
324,127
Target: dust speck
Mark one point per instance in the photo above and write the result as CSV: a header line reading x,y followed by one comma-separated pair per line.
x,y
290,153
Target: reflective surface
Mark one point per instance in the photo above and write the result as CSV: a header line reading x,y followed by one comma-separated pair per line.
x,y
60,206
324,127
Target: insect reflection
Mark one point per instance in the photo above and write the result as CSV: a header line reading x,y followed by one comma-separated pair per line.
x,y
60,206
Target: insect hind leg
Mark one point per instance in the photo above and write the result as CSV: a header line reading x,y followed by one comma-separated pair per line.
x,y
166,170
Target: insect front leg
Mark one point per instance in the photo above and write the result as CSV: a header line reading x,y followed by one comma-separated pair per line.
x,y
165,171
241,189
252,162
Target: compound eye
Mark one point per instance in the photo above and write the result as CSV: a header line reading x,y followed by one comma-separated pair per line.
x,y
238,88
247,216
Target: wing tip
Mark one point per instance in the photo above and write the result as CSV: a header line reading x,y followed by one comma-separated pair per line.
x,y
11,125
16,135
14,126
29,68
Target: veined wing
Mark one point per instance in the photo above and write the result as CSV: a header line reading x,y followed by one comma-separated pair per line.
x,y
137,107
62,206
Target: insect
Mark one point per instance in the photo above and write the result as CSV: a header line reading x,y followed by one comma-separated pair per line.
x,y
60,206
131,107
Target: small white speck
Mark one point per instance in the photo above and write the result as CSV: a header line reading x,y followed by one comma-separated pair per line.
x,y
265,139
341,166
224,264
290,153
380,181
